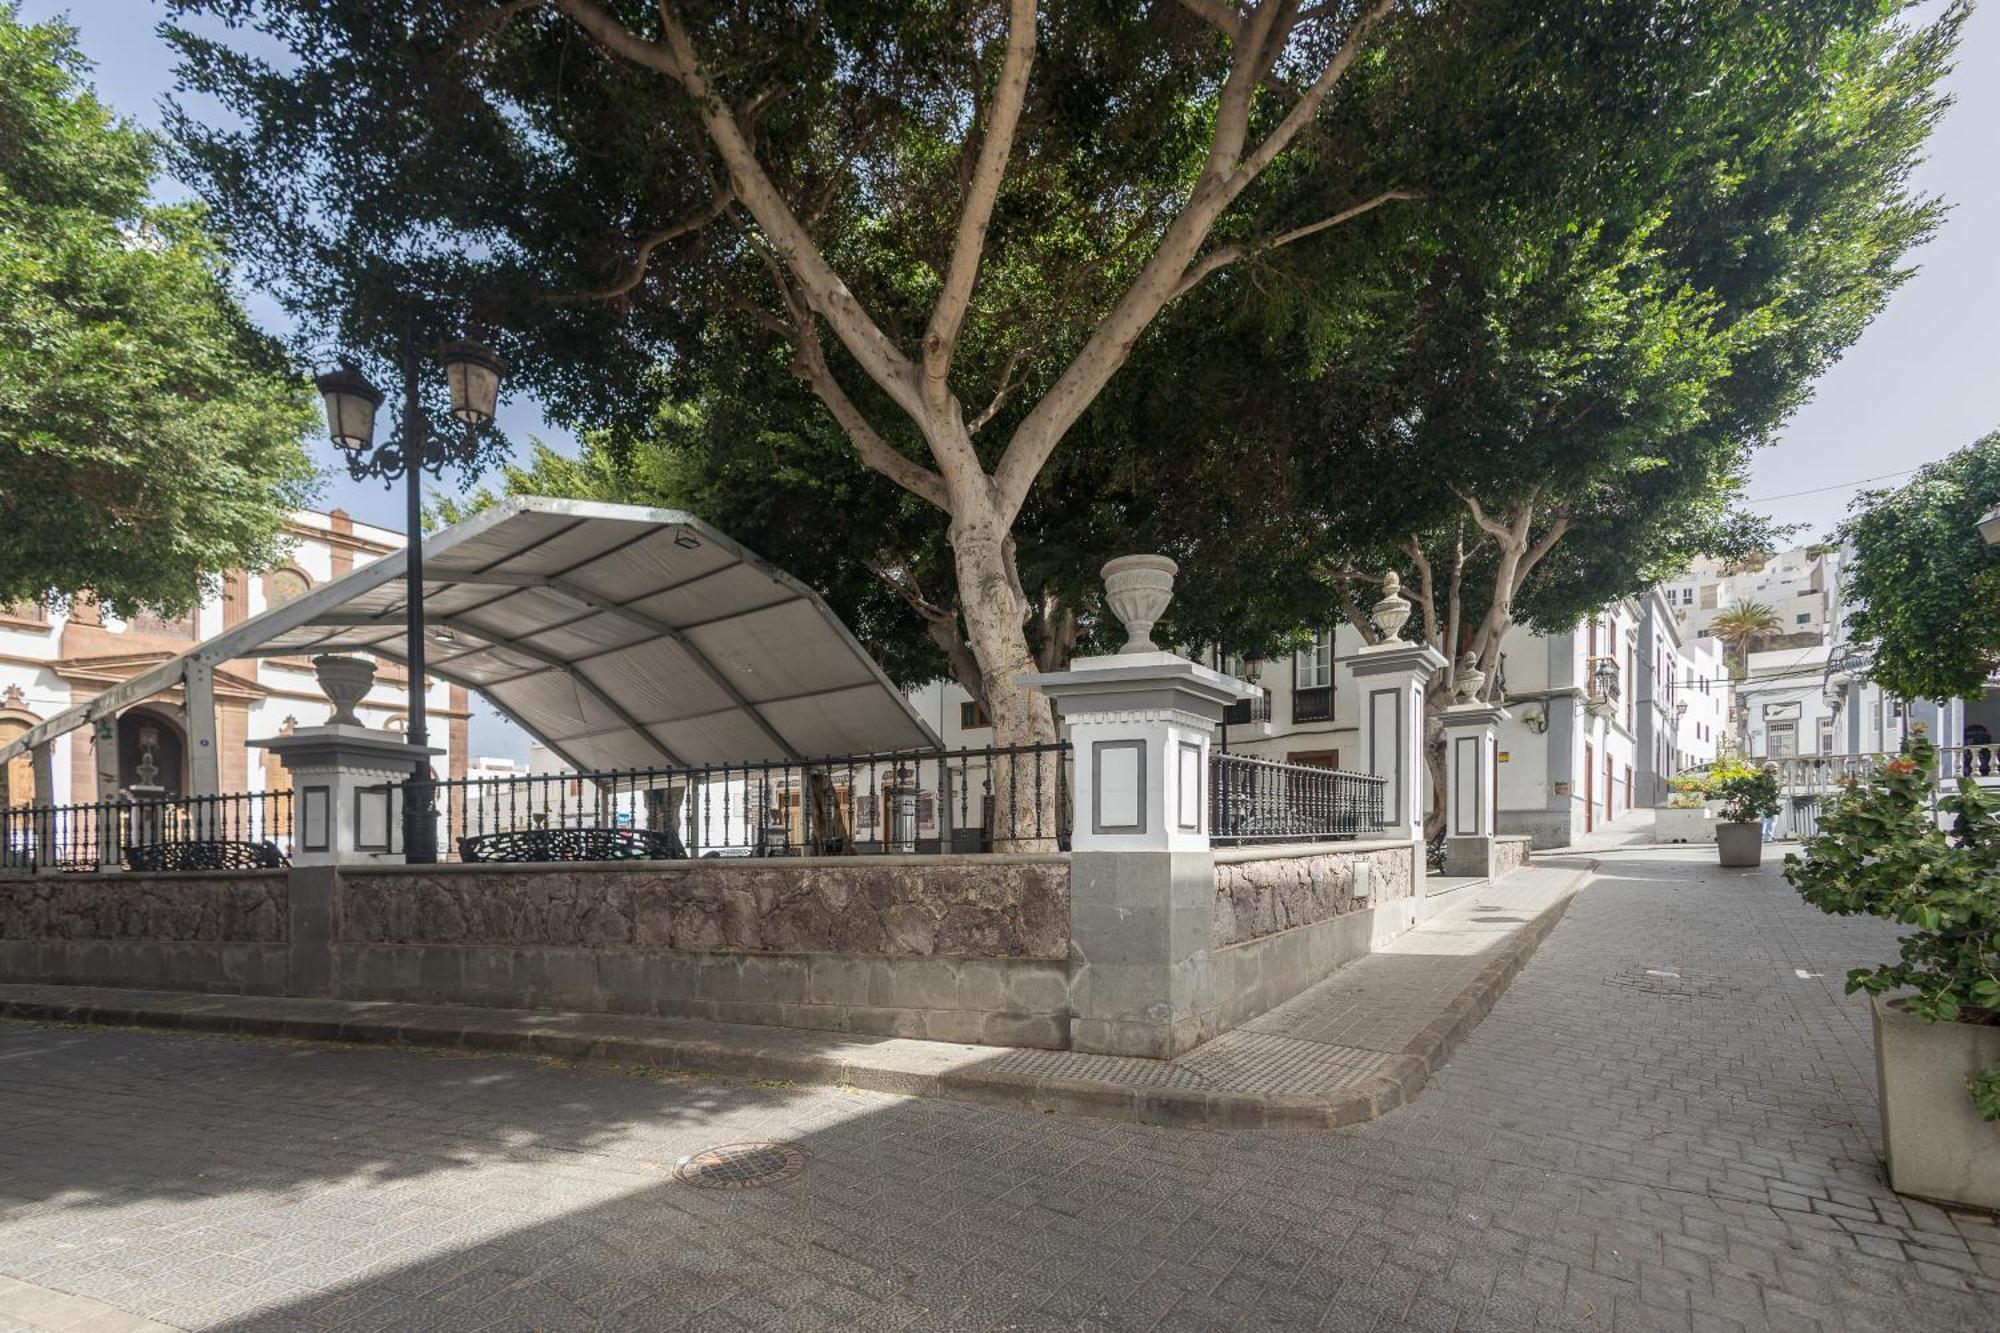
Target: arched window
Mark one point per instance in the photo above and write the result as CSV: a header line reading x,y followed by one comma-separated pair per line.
x,y
284,585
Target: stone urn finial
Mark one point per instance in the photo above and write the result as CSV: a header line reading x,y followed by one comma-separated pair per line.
x,y
346,682
1138,588
1393,611
1469,678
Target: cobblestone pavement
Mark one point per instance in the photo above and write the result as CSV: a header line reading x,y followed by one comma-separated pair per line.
x,y
1662,1125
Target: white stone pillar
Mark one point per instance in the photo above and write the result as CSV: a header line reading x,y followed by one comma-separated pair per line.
x,y
1390,680
1142,878
344,811
1471,738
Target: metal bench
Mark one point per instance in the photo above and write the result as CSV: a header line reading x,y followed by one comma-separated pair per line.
x,y
573,844
207,854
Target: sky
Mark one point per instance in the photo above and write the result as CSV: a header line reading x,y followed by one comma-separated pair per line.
x,y
1923,381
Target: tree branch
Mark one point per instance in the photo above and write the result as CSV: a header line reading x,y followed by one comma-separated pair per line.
x,y
1223,256
635,272
969,245
1218,14
1223,177
824,289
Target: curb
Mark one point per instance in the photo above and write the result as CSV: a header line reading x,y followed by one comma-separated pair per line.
x,y
1401,1079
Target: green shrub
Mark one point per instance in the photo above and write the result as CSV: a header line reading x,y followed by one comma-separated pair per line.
x,y
1880,851
1748,796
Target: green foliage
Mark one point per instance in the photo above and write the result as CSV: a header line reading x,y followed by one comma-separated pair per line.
x,y
1881,852
1925,583
1689,791
149,436
1747,796
1643,228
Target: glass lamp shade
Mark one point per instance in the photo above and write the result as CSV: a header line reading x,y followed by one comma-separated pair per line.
x,y
474,373
350,407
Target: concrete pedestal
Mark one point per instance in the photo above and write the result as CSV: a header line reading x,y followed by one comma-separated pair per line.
x,y
1471,739
345,809
1142,878
1390,679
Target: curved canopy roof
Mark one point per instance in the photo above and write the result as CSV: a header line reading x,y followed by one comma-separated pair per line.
x,y
619,636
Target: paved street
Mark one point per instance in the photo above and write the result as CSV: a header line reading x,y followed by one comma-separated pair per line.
x,y
1663,1125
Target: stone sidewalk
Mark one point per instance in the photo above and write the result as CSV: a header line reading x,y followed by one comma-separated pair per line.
x,y
1356,1045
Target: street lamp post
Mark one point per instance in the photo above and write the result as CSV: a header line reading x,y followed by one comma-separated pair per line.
x,y
473,373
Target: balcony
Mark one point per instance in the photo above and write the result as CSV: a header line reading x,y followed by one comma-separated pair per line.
x,y
1601,682
1312,705
1248,710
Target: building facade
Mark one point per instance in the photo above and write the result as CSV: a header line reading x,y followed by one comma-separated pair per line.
x,y
1800,587
51,660
1602,716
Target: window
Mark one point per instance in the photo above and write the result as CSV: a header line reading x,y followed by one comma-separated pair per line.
x,y
972,715
1312,668
1826,735
1805,618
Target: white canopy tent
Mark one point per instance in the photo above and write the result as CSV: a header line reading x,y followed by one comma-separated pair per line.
x,y
617,635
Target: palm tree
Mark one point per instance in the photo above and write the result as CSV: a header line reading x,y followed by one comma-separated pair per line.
x,y
1742,625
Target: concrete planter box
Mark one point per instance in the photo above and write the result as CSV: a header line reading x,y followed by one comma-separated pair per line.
x,y
1675,824
1935,1143
1739,844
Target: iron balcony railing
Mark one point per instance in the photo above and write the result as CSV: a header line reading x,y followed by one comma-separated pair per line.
x,y
1001,798
1261,800
237,831
1313,704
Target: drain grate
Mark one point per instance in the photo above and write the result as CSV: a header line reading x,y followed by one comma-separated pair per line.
x,y
743,1166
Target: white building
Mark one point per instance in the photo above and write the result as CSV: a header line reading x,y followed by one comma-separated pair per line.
x,y
1798,585
1602,716
51,660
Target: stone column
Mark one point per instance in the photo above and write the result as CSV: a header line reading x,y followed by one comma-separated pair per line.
x,y
344,810
1142,878
1389,678
43,760
1471,738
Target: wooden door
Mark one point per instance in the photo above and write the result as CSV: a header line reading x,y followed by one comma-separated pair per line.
x,y
1589,788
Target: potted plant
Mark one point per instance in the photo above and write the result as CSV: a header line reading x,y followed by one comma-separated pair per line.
x,y
1686,816
1880,851
1749,797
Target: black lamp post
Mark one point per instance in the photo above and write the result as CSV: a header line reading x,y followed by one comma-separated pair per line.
x,y
473,373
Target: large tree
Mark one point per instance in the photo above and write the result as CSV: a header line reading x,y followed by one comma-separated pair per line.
x,y
953,222
149,436
1924,585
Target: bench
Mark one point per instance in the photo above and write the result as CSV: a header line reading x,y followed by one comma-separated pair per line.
x,y
573,844
208,854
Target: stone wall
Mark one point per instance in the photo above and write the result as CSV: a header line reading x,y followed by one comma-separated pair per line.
x,y
226,931
235,906
1509,854
959,906
1279,889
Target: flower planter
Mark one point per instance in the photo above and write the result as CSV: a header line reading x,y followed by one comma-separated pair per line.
x,y
1739,844
1672,823
1936,1145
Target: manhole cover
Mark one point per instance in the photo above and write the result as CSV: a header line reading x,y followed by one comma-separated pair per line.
x,y
743,1166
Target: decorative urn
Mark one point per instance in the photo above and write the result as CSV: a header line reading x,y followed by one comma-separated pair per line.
x,y
345,682
1470,679
1393,611
1138,588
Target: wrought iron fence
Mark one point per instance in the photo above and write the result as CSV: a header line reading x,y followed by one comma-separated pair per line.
x,y
1005,798
1262,800
237,831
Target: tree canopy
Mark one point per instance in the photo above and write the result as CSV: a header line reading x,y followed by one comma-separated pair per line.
x,y
1924,585
975,294
149,436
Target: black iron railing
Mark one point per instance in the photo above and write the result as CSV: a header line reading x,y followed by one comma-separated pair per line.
x,y
1262,800
237,831
1004,798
